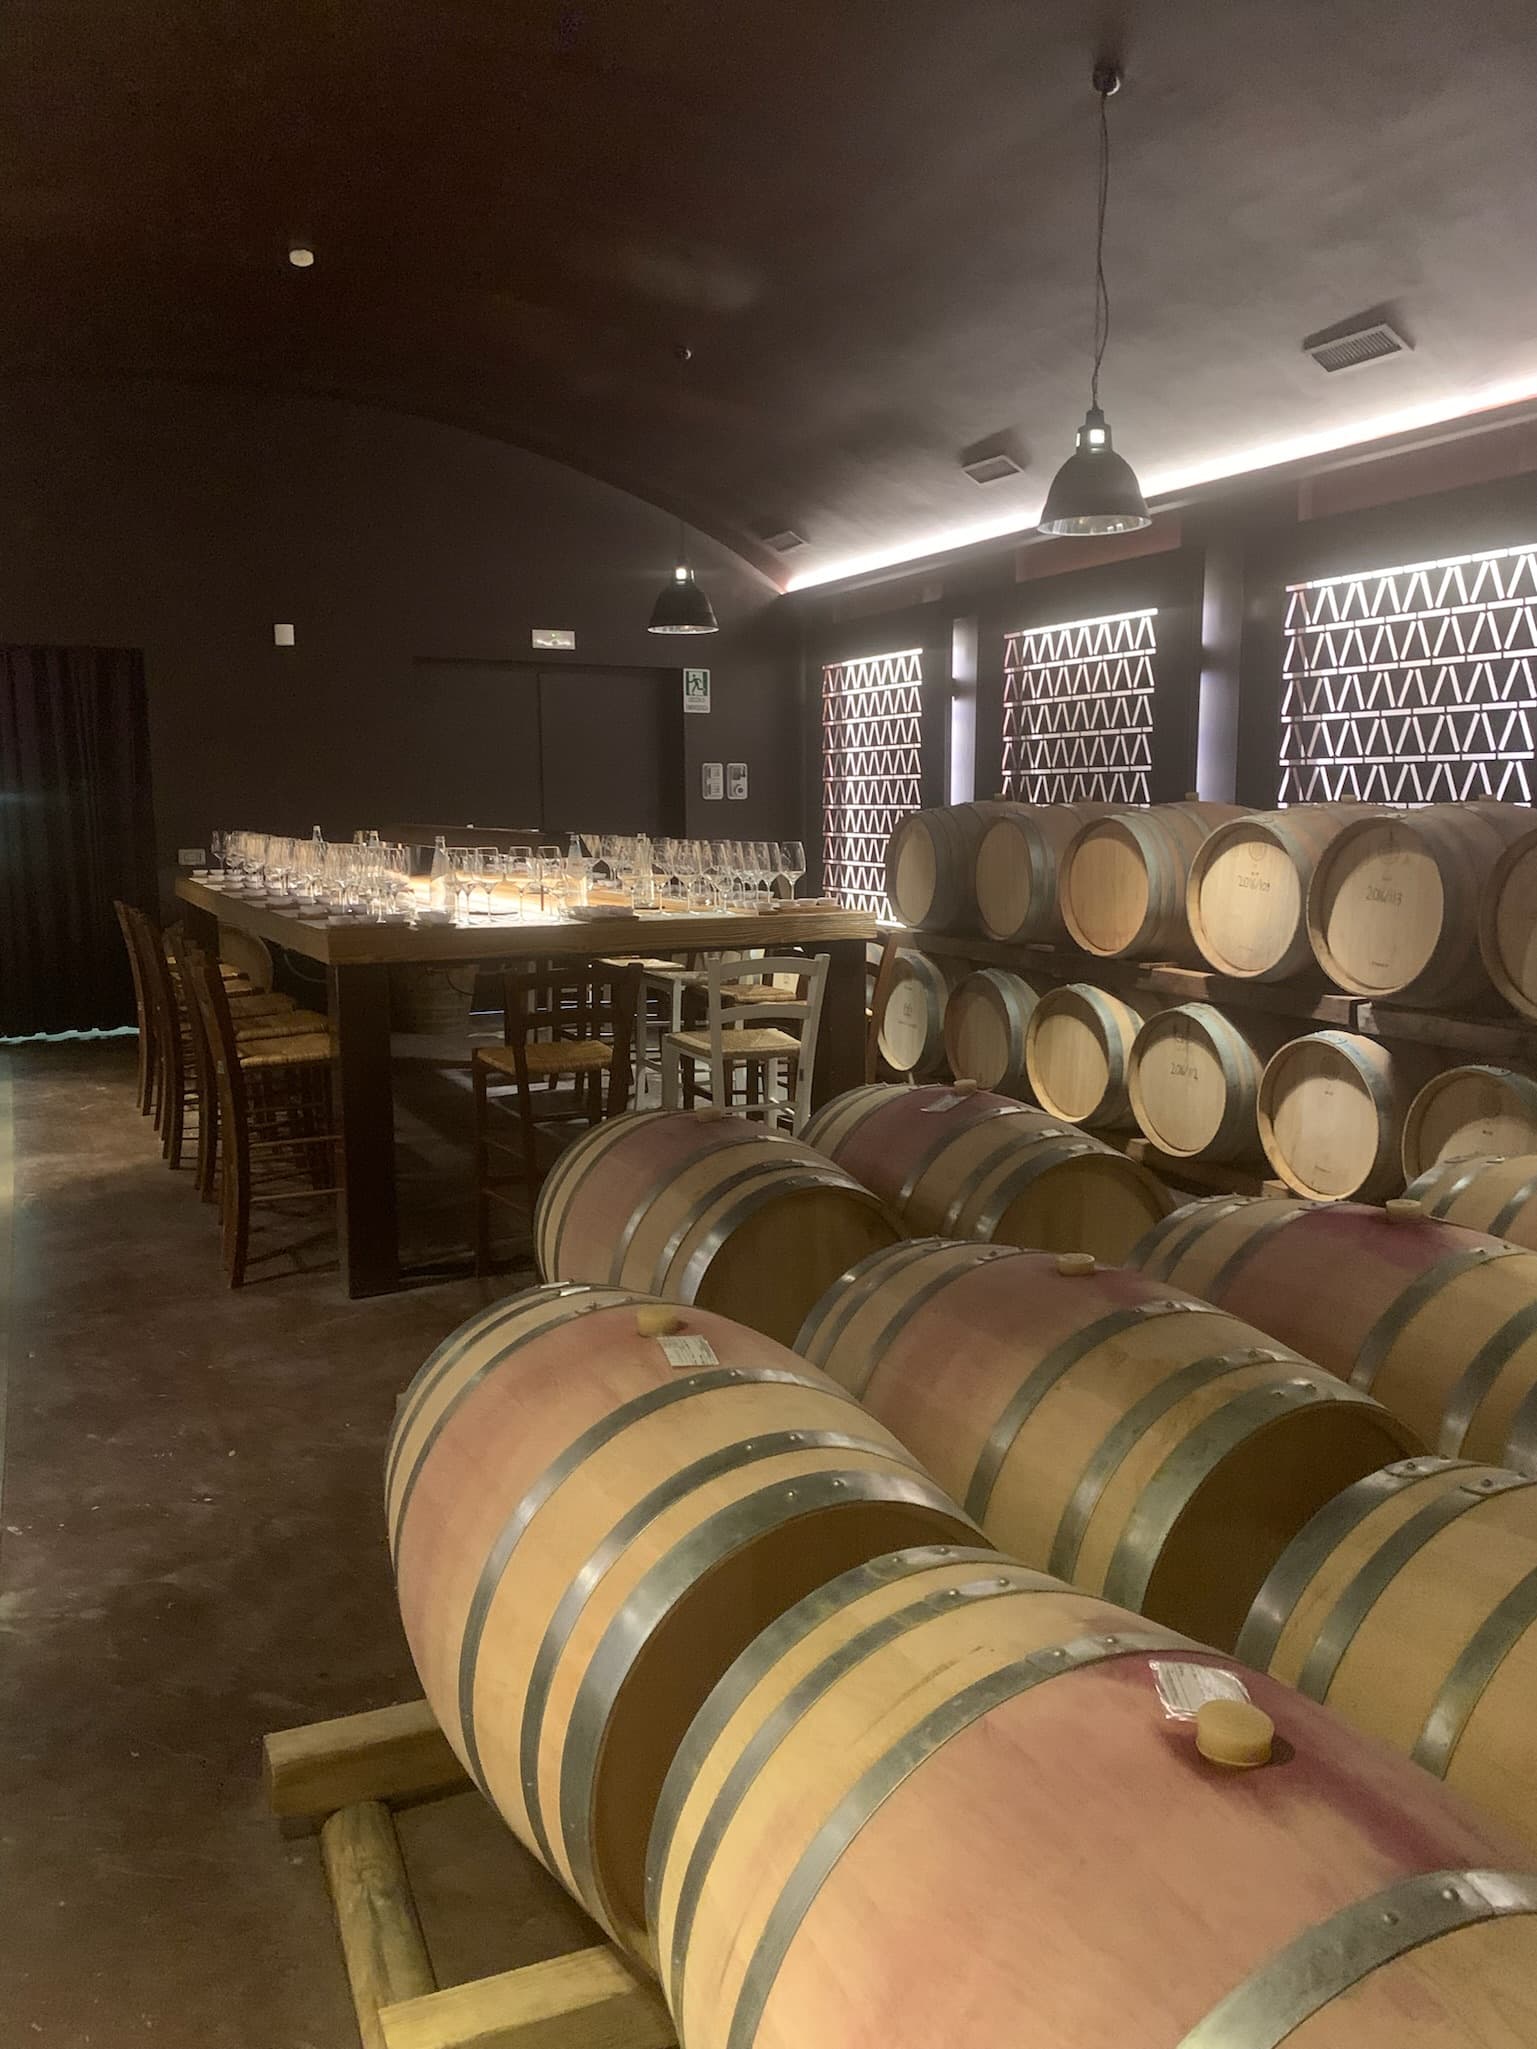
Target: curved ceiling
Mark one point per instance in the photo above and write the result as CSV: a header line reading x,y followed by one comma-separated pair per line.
x,y
870,218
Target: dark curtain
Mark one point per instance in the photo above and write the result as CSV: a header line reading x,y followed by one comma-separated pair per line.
x,y
76,830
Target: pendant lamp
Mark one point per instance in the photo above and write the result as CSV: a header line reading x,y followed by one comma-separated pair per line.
x,y
1096,491
681,606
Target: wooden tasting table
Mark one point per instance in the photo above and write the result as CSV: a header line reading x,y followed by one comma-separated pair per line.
x,y
358,955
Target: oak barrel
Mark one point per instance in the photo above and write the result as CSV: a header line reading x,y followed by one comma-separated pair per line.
x,y
1101,1426
1016,868
589,1521
968,1164
1507,923
1247,896
1494,1195
1409,1606
1078,1053
931,861
1393,909
701,1206
1331,1110
939,1802
1193,1080
985,1021
1469,1112
1439,1323
1122,880
911,1028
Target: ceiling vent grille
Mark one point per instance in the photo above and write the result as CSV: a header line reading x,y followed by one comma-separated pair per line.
x,y
1334,351
786,540
992,469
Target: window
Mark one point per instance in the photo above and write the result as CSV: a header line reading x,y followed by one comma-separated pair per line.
x,y
1415,685
1078,711
872,739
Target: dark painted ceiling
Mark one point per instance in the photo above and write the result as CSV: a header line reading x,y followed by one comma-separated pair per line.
x,y
869,217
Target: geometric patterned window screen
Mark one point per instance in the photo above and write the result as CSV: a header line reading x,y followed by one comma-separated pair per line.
x,y
1078,711
872,737
1412,686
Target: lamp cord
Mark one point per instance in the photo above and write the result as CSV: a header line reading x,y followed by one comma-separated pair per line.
x,y
1101,289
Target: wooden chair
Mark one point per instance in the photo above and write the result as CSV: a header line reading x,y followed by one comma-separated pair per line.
x,y
760,1049
278,1130
143,1011
586,1010
177,1088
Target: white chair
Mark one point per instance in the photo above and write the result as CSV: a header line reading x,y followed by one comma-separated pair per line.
x,y
770,1055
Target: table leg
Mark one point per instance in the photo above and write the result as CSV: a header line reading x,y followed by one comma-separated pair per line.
x,y
360,1018
840,1061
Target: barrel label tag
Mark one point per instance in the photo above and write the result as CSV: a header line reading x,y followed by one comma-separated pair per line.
x,y
948,1101
688,1351
1185,1689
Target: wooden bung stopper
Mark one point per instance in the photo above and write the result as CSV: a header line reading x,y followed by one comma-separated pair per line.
x,y
656,1320
711,1113
965,1088
1234,1733
1404,1209
1073,1264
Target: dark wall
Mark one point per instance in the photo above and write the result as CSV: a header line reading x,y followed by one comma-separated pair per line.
x,y
187,522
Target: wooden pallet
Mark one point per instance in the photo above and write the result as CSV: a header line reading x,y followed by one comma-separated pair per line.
x,y
343,1778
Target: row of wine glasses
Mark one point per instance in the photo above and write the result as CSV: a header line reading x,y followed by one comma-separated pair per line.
x,y
473,885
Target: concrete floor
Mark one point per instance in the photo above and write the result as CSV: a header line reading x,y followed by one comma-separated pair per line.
x,y
192,1554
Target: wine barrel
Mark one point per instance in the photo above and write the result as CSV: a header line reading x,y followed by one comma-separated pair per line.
x,y
1247,896
1437,1322
1494,1195
1099,1425
1507,923
1078,1053
1409,1606
591,1514
931,861
1393,908
1015,881
709,1208
1193,1080
1331,1110
985,1022
1122,880
967,1164
1470,1112
911,1028
940,1802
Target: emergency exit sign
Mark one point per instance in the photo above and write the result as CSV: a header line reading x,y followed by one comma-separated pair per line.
x,y
696,690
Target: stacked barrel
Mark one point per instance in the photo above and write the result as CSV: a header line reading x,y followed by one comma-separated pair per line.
x,y
1250,992
702,1620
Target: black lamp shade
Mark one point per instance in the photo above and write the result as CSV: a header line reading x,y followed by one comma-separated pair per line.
x,y
1095,491
682,606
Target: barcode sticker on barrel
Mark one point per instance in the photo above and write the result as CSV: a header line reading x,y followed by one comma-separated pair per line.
x,y
689,1351
1185,1689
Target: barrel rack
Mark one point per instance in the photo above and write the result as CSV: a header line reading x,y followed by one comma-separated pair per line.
x,y
1498,1038
344,1778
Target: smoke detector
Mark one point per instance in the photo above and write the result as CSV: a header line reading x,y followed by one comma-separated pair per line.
x,y
1355,343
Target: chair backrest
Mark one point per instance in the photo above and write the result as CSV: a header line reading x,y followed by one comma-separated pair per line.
x,y
159,986
187,957
204,986
143,1002
804,1008
580,999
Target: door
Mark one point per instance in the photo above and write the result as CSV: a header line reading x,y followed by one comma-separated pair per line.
x,y
612,747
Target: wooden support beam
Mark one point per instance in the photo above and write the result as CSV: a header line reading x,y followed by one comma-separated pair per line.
x,y
375,1914
588,2000
393,1753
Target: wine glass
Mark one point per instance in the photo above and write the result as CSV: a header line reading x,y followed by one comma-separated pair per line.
x,y
792,862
